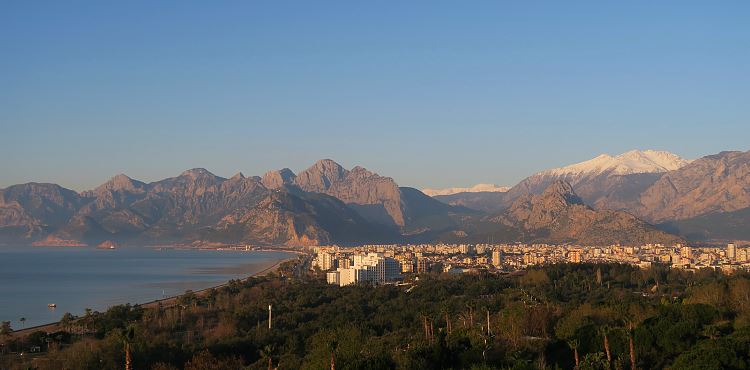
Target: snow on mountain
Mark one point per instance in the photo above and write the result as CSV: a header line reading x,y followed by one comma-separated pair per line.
x,y
478,188
634,161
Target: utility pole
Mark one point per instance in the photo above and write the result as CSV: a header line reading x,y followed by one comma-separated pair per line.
x,y
269,317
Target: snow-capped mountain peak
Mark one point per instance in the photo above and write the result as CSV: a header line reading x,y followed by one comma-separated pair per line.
x,y
634,161
478,188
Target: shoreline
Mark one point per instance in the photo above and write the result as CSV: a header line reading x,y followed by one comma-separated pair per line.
x,y
54,326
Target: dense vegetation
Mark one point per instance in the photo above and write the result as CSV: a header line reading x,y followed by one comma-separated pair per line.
x,y
595,316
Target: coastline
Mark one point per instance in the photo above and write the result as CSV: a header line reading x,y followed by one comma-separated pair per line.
x,y
167,301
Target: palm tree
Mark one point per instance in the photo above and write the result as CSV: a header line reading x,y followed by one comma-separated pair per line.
x,y
66,320
426,327
332,344
631,331
445,310
267,352
127,335
23,322
605,331
573,343
5,329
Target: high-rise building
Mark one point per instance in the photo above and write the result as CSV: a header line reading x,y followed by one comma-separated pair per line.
x,y
466,249
370,268
574,256
333,277
326,261
497,258
423,265
407,265
742,255
385,268
344,262
686,252
731,251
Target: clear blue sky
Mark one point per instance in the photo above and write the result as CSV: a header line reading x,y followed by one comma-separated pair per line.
x,y
432,93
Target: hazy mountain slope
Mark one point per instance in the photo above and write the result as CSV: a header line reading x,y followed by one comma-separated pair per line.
x,y
32,209
559,215
727,226
712,184
478,188
484,202
170,209
426,215
286,218
118,191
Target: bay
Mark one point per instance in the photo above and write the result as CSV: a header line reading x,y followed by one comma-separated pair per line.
x,y
78,278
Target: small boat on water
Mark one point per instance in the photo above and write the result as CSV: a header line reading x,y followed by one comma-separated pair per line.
x,y
107,244
52,305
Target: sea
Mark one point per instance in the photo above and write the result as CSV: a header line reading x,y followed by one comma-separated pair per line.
x,y
75,278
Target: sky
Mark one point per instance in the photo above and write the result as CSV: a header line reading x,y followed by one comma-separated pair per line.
x,y
431,93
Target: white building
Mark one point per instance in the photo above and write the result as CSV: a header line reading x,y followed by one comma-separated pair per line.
x,y
326,261
385,268
333,277
369,268
497,258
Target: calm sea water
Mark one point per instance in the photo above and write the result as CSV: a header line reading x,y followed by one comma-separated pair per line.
x,y
80,278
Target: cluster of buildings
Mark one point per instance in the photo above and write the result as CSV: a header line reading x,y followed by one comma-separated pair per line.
x,y
371,268
379,264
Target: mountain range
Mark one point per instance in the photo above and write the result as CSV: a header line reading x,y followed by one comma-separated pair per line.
x,y
478,188
325,203
606,200
703,199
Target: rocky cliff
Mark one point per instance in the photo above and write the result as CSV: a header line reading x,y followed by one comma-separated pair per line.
x,y
559,215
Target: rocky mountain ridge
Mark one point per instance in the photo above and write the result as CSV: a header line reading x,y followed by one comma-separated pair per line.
x,y
606,181
713,190
327,203
324,204
559,215
376,198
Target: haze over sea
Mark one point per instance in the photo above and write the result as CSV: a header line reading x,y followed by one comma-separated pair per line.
x,y
80,278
